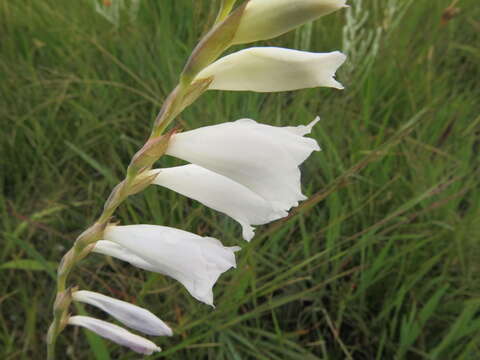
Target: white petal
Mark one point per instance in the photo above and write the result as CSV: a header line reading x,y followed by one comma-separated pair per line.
x,y
263,158
220,193
265,19
302,130
110,248
131,315
270,69
116,334
195,261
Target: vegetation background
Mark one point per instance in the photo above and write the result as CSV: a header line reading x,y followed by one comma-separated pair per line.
x,y
382,261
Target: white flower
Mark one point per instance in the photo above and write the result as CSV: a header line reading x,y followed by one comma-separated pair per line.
x,y
265,19
220,193
197,262
116,334
110,248
270,69
262,158
131,315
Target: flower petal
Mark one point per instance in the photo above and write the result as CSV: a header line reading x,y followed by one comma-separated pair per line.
x,y
271,69
195,261
265,19
220,193
263,158
116,334
110,248
131,315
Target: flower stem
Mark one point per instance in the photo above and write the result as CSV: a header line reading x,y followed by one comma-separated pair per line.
x,y
82,247
182,96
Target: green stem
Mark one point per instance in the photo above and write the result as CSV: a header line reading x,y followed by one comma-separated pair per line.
x,y
51,351
51,340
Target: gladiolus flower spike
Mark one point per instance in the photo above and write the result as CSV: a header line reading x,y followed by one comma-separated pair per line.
x,y
244,169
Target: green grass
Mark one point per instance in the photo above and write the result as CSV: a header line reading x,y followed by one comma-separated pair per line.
x,y
382,261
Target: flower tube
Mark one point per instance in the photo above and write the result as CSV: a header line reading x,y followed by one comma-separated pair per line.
x,y
131,315
272,69
115,333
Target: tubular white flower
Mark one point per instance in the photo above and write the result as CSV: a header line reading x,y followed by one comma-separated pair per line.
x,y
263,158
110,248
116,334
265,19
271,69
131,315
197,262
220,193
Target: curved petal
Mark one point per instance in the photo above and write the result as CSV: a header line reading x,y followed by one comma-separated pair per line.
x,y
263,158
110,248
220,193
116,334
271,69
197,262
131,315
265,19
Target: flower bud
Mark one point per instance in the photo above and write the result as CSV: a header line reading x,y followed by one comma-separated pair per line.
x,y
266,19
270,69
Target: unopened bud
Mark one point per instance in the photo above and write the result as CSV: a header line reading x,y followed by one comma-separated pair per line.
x,y
269,69
264,19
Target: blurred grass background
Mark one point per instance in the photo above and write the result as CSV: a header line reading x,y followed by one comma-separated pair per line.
x,y
382,261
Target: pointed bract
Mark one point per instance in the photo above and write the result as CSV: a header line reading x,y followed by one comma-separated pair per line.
x,y
262,158
116,334
197,262
131,315
271,69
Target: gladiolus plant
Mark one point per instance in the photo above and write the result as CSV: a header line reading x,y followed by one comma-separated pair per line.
x,y
244,169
